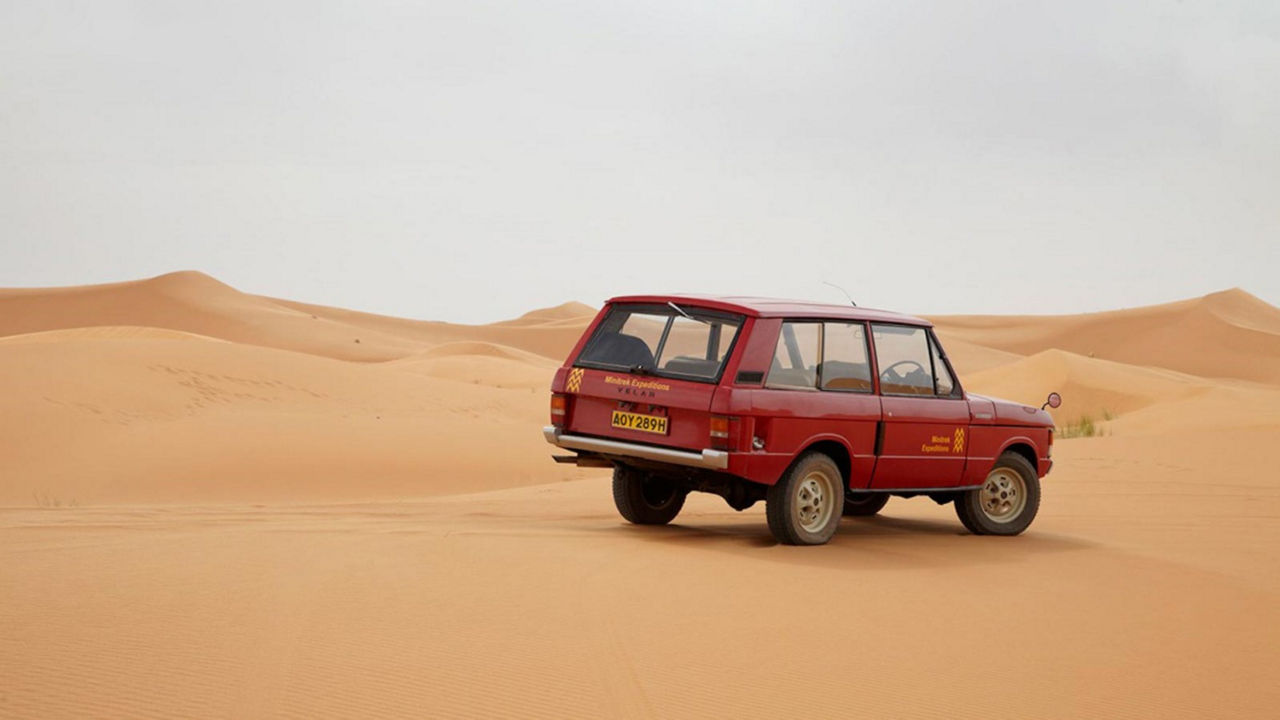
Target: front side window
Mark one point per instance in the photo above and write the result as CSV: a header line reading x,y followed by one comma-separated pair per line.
x,y
795,359
903,354
661,340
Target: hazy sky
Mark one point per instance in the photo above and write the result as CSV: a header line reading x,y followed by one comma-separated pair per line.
x,y
473,160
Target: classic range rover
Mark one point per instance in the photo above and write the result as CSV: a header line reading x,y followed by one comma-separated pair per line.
x,y
819,410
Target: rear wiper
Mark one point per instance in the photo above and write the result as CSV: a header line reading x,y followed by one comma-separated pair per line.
x,y
678,309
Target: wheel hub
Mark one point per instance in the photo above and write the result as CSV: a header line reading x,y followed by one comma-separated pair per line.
x,y
1004,495
814,501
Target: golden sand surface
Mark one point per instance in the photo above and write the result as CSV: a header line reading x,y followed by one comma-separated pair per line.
x,y
216,504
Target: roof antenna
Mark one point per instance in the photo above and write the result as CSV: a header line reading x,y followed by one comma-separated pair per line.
x,y
851,302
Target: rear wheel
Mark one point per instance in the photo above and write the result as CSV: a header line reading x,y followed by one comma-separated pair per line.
x,y
804,506
644,498
1006,503
864,504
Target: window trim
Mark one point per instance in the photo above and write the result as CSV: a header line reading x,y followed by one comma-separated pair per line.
x,y
957,391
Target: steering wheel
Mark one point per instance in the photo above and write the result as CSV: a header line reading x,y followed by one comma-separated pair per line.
x,y
898,373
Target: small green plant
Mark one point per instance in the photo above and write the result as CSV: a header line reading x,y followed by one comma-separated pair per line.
x,y
1086,426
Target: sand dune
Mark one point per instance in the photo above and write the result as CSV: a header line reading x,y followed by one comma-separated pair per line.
x,y
217,504
146,420
196,303
483,349
1224,335
481,363
967,357
1114,393
484,370
104,332
570,312
1089,386
552,337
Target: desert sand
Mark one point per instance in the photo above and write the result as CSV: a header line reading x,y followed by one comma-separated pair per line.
x,y
217,504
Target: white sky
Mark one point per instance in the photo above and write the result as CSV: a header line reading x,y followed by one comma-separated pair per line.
x,y
473,160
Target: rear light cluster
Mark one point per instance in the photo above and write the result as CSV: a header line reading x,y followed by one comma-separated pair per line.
x,y
720,432
559,409
1049,451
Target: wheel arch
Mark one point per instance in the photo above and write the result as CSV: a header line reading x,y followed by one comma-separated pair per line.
x,y
833,447
1022,446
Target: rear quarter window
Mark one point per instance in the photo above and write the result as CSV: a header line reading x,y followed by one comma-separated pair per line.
x,y
795,359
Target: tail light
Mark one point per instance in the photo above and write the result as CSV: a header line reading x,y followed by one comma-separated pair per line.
x,y
1049,450
559,409
720,432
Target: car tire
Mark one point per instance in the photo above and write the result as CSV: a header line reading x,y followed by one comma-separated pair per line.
x,y
864,504
644,498
1006,503
804,506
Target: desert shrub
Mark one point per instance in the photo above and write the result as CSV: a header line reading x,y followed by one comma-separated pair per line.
x,y
1084,427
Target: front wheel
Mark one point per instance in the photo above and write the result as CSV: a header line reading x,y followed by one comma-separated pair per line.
x,y
804,506
646,499
1006,503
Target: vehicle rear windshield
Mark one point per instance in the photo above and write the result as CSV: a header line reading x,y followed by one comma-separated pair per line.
x,y
682,342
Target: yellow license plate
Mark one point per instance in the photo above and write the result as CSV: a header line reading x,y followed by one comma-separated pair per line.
x,y
636,421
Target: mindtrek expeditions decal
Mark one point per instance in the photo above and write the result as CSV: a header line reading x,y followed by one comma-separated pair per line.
x,y
635,386
942,443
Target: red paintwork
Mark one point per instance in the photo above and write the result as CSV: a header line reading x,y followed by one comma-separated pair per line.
x,y
928,442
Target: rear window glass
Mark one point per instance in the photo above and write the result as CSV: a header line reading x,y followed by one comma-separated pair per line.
x,y
681,342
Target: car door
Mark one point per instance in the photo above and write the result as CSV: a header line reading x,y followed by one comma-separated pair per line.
x,y
925,421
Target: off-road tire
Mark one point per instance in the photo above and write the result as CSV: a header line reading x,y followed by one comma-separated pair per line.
x,y
644,498
1019,506
804,506
864,504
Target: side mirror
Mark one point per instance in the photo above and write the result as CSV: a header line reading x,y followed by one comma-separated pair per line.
x,y
1054,401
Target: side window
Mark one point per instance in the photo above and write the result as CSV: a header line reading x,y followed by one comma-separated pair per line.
x,y
844,357
943,383
795,359
903,356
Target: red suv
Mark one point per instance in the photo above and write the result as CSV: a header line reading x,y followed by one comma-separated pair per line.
x,y
819,410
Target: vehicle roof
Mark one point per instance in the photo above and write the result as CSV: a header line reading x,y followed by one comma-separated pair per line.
x,y
775,307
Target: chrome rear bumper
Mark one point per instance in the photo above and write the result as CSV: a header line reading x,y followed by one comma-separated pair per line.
x,y
711,459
